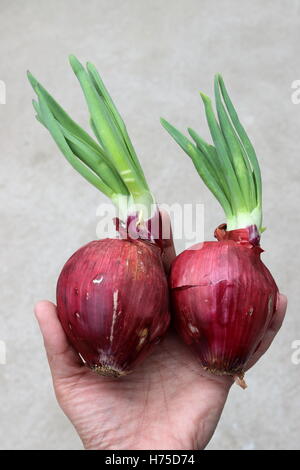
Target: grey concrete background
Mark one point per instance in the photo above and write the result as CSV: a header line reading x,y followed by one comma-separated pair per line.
x,y
155,56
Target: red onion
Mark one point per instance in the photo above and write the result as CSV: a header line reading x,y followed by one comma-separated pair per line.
x,y
224,298
112,300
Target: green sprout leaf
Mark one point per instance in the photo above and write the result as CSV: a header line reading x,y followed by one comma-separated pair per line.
x,y
111,164
229,168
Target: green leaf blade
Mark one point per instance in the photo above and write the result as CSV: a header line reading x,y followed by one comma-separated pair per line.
x,y
104,94
110,135
249,149
243,174
200,164
58,137
220,144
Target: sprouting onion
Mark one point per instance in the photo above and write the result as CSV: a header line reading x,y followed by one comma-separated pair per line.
x,y
112,294
223,296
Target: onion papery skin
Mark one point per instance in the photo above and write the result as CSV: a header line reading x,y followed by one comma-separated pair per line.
x,y
224,298
112,300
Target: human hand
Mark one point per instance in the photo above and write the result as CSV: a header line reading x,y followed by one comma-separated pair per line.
x,y
169,402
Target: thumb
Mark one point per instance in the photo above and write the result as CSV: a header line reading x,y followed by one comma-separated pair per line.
x,y
63,360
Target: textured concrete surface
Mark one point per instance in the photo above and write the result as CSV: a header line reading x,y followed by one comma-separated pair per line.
x,y
155,56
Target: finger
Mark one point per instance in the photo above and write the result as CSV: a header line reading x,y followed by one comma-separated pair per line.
x,y
272,331
63,360
168,244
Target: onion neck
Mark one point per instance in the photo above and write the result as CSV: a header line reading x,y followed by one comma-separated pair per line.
x,y
137,227
245,219
143,206
243,236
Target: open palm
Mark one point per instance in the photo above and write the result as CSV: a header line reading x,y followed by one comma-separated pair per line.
x,y
169,402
